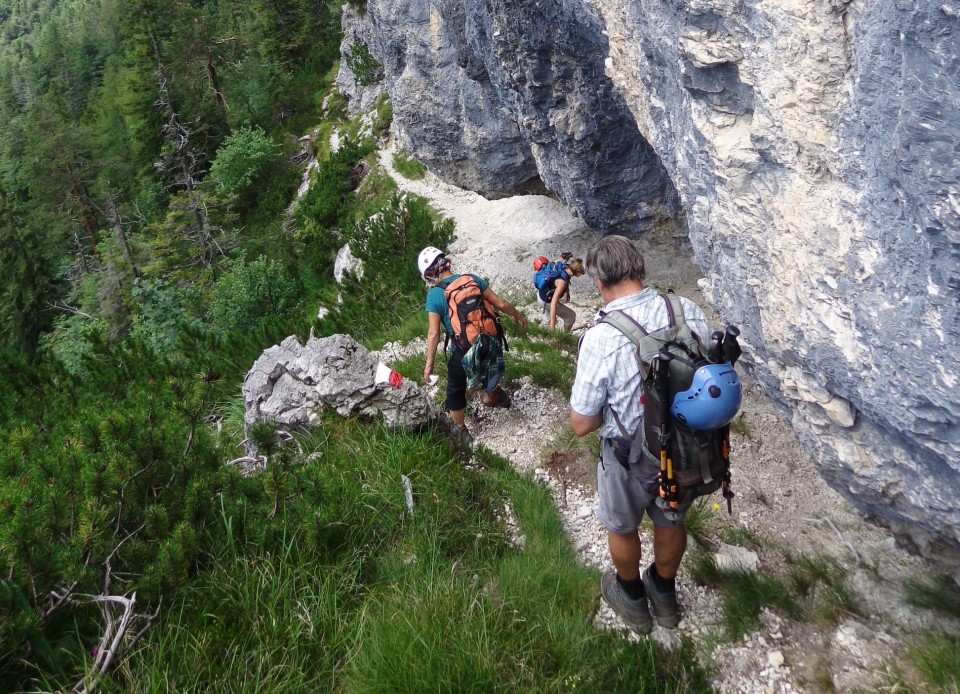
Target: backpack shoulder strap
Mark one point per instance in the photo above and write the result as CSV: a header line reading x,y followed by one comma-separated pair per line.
x,y
625,324
674,309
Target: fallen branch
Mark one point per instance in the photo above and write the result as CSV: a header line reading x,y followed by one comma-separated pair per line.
x,y
111,647
245,459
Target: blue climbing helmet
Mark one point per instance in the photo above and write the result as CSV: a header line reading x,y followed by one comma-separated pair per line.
x,y
712,400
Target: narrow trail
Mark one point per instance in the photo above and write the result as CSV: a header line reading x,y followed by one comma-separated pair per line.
x,y
781,500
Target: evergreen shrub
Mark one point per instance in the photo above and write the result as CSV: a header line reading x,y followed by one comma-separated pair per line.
x,y
328,204
250,293
117,483
363,65
242,161
388,244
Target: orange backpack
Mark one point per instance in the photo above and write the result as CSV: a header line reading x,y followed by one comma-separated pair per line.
x,y
470,314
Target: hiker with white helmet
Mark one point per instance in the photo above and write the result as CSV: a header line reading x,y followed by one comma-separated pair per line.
x,y
464,305
608,395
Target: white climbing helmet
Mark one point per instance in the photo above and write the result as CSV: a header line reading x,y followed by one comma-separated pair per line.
x,y
428,257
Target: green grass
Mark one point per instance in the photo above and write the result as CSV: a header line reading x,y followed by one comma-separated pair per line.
x,y
937,659
565,440
940,594
701,523
742,536
745,593
375,190
815,589
820,583
547,356
931,664
407,166
359,595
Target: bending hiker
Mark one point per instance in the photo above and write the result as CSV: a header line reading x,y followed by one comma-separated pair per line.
x,y
607,395
464,306
552,281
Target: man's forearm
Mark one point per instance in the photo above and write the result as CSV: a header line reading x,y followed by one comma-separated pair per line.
x,y
583,425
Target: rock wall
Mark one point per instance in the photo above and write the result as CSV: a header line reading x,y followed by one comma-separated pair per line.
x,y
811,149
491,119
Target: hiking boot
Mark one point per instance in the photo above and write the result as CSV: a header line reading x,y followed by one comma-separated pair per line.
x,y
497,398
634,613
664,604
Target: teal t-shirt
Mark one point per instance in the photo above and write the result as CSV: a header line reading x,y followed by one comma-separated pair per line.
x,y
437,302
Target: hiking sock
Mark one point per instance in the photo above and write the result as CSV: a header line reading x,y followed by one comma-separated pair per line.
x,y
632,588
664,585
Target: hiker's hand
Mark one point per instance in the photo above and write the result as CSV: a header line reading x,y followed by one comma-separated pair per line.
x,y
427,371
521,320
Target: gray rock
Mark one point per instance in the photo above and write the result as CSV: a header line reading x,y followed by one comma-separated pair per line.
x,y
811,151
733,558
488,118
346,262
291,383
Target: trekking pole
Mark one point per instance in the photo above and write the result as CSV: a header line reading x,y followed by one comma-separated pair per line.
x,y
716,347
668,486
725,482
731,347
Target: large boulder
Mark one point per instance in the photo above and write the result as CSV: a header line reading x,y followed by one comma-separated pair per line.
x,y
291,383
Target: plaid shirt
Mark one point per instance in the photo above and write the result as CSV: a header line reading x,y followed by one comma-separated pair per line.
x,y
608,372
483,362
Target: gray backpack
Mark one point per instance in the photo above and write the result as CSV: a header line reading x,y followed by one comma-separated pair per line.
x,y
684,462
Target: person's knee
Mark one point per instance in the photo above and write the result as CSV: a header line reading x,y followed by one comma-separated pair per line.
x,y
670,538
456,400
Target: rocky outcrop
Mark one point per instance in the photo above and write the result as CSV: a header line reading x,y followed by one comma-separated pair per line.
x,y
811,148
292,383
499,122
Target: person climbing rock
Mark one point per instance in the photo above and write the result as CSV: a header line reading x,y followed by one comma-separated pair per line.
x,y
552,280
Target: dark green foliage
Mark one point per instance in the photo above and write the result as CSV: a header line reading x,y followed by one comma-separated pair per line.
x,y
364,66
94,95
940,593
328,204
250,293
31,281
391,288
243,161
162,316
108,262
126,448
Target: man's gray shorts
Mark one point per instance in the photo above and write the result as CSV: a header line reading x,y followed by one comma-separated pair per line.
x,y
625,495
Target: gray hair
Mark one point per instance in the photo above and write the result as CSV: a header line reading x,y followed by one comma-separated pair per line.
x,y
614,259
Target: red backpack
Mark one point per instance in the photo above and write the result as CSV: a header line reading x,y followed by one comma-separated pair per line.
x,y
470,314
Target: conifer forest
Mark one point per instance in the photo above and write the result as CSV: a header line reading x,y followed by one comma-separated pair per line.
x,y
150,151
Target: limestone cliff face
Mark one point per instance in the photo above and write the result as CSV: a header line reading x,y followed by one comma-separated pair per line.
x,y
811,148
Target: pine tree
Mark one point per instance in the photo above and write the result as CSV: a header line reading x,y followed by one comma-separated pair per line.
x,y
30,285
